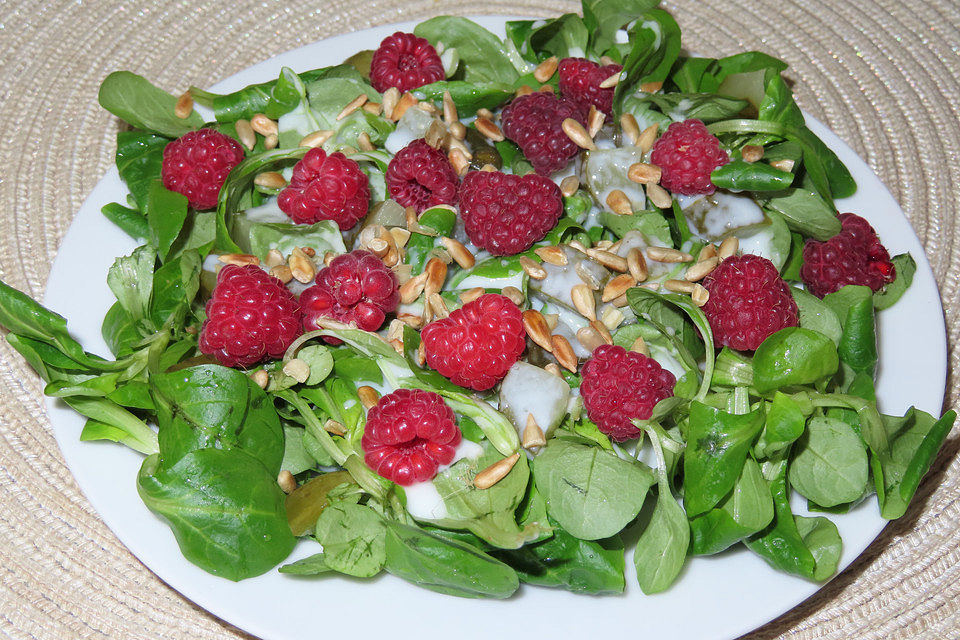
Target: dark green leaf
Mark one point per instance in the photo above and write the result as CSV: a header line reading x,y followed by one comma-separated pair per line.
x,y
793,356
140,104
226,510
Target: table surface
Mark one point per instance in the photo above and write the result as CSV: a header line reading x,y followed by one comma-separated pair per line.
x,y
884,75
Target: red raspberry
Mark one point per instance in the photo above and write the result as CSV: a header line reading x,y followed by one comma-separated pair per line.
x,y
853,256
250,316
580,81
406,62
197,163
477,344
356,287
420,176
534,122
408,435
619,386
326,188
504,213
687,153
748,302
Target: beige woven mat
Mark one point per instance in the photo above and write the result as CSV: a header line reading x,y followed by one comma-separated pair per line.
x,y
883,75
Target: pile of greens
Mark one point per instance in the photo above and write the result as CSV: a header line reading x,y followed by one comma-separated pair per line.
x,y
740,434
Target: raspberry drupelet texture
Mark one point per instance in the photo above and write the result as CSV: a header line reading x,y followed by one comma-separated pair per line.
x,y
421,177
409,433
534,122
406,62
619,386
580,81
686,154
853,256
197,163
355,288
477,344
504,213
748,302
250,316
326,187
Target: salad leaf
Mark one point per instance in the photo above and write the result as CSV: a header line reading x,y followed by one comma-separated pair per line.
x,y
793,356
211,406
583,488
137,102
567,562
746,510
353,539
481,52
717,447
905,267
444,565
225,509
829,464
139,159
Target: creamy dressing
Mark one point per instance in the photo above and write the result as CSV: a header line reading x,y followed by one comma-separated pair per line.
x,y
528,390
718,215
423,500
605,170
411,126
679,113
471,281
654,26
268,212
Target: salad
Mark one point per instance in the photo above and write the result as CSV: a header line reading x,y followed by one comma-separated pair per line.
x,y
467,310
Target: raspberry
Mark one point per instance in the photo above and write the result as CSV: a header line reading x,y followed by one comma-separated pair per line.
x,y
250,316
408,435
197,163
420,176
534,122
477,344
504,213
356,287
406,62
580,81
748,302
686,154
619,386
853,256
326,188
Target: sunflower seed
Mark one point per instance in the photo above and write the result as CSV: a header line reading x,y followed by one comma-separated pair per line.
x,y
659,196
619,203
471,294
489,129
286,481
271,142
184,106
532,268
589,338
390,99
637,264
536,327
666,254
373,107
608,259
261,378
352,106
246,134
699,295
569,185
365,143
301,266
459,161
578,134
644,173
647,137
630,128
436,270
651,87
412,288
458,130
334,427
595,120
678,286
601,328
563,352
583,301
611,81
297,369
640,346
784,165
495,472
617,286
552,255
553,369
406,101
315,139
282,273
515,295
728,247
546,69
438,306
532,434
709,251
239,259
368,396
270,180
264,125
751,152
701,269
449,109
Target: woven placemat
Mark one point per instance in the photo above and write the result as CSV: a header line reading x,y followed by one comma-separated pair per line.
x,y
882,74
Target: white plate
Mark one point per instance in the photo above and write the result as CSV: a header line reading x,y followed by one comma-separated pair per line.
x,y
716,598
